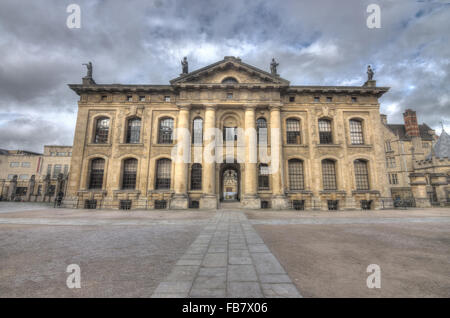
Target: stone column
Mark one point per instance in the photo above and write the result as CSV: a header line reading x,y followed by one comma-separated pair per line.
x,y
419,189
30,190
209,198
279,200
12,188
250,199
180,198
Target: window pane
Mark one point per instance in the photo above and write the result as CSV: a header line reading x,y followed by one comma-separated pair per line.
x,y
229,133
296,180
325,135
165,131
356,134
134,131
361,175
197,135
129,174
196,177
293,131
163,174
102,130
263,177
261,127
96,174
329,175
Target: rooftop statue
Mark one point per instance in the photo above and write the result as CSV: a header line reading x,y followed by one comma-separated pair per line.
x,y
89,69
185,65
273,67
369,73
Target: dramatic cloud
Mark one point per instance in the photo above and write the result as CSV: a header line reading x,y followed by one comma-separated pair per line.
x,y
322,42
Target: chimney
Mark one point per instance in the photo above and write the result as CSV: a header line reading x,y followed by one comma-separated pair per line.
x,y
411,126
383,118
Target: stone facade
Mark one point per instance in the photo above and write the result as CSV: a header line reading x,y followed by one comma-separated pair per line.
x,y
117,165
36,177
406,145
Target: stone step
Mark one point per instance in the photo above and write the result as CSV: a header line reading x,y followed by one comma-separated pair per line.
x,y
230,205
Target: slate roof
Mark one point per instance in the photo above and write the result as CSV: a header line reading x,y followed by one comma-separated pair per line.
x,y
442,146
400,131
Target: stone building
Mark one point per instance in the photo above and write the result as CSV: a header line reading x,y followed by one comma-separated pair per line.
x,y
325,143
430,180
30,176
404,144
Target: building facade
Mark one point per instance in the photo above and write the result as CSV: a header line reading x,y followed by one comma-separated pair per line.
x,y
404,144
35,177
324,143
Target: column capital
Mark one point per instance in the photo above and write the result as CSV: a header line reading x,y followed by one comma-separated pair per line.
x,y
210,106
275,106
184,106
250,107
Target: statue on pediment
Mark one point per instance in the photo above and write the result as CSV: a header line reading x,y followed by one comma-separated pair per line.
x,y
89,69
185,65
369,73
273,67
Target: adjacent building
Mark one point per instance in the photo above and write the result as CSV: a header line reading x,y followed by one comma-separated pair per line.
x,y
30,176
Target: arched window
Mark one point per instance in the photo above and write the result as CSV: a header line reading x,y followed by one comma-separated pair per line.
x,y
101,130
196,176
163,167
230,80
129,173
197,131
293,131
96,173
356,132
325,134
133,130
296,178
361,175
165,131
329,174
261,129
263,177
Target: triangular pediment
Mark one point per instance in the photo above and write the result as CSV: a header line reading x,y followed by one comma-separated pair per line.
x,y
229,67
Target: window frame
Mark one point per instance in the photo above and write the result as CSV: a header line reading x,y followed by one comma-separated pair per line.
x,y
130,132
362,178
329,175
164,140
100,137
325,136
196,177
129,173
356,132
294,136
95,181
163,178
296,175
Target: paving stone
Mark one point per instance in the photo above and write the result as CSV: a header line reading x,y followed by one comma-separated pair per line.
x,y
266,263
215,260
173,287
207,293
274,278
241,273
212,271
182,273
258,248
244,290
169,295
280,290
218,249
189,262
210,282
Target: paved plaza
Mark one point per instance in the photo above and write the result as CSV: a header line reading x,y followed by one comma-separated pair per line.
x,y
224,253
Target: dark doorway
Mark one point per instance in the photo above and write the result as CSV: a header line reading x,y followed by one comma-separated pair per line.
x,y
230,182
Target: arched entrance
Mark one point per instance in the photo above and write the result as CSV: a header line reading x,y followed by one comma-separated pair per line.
x,y
230,182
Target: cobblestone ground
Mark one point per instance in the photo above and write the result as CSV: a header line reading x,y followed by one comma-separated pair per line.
x,y
221,253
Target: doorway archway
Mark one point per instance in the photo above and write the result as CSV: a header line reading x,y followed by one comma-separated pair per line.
x,y
230,182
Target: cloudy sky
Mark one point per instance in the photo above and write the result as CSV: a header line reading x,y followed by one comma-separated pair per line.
x,y
142,42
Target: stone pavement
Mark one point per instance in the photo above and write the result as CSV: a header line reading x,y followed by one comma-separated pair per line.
x,y
227,259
